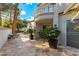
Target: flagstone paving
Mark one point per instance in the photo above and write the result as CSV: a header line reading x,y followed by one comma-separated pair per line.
x,y
22,46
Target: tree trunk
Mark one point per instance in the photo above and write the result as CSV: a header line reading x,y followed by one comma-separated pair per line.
x,y
14,24
0,19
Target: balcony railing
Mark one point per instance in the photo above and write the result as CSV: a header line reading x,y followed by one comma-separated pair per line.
x,y
45,9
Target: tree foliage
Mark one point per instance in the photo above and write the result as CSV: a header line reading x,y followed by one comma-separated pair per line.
x,y
5,8
6,23
21,24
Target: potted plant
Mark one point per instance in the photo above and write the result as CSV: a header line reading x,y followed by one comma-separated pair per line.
x,y
30,31
53,35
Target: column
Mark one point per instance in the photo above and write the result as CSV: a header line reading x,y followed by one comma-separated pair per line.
x,y
55,16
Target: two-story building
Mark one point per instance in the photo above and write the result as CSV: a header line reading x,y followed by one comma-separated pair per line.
x,y
50,14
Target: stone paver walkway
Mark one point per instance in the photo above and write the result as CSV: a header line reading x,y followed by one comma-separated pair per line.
x,y
22,46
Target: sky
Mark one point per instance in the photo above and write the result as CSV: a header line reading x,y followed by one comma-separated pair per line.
x,y
27,11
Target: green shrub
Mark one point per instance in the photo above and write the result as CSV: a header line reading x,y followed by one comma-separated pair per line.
x,y
54,32
6,23
30,31
44,33
49,33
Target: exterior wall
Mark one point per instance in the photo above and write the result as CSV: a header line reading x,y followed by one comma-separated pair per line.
x,y
62,6
55,16
60,21
4,35
31,25
62,27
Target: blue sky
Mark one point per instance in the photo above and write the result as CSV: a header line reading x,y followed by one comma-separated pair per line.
x,y
27,11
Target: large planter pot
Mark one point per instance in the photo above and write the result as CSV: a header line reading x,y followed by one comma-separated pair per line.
x,y
53,43
31,36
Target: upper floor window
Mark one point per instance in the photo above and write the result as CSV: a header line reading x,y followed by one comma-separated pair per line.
x,y
51,8
46,9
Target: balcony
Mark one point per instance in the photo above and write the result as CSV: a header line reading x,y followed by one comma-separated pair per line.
x,y
44,12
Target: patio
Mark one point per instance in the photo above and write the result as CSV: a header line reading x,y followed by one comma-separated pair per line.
x,y
22,46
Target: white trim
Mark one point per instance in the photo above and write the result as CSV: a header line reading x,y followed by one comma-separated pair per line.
x,y
66,32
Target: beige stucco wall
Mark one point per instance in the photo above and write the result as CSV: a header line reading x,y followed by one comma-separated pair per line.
x,y
31,25
63,28
44,17
4,35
